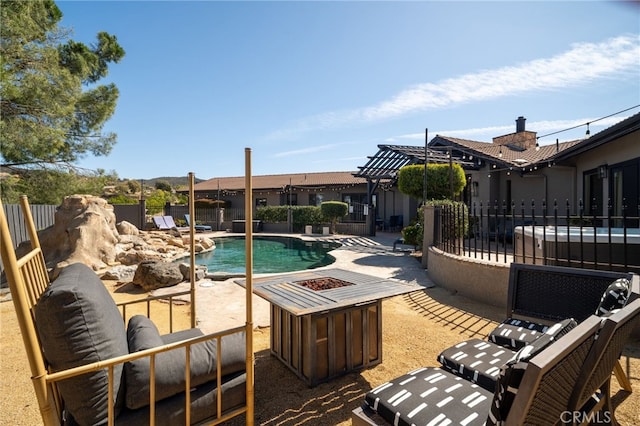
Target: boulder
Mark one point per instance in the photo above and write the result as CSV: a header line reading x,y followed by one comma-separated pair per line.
x,y
120,273
84,231
201,271
127,228
151,275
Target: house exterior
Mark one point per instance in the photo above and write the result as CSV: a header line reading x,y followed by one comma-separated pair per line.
x,y
607,169
514,170
306,189
511,172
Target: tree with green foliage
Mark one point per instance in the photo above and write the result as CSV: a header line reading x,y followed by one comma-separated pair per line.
x,y
51,186
163,185
122,199
411,181
157,200
334,210
52,109
133,186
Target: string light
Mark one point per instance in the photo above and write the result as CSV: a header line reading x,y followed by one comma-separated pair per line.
x,y
589,122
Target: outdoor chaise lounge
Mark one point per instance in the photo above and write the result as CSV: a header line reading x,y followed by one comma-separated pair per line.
x,y
527,390
569,376
537,298
159,223
165,223
87,368
199,228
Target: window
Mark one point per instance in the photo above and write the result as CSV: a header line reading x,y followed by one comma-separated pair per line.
x,y
261,202
288,199
315,199
593,193
624,192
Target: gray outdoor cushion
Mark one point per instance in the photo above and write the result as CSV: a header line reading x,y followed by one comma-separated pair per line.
x,y
515,333
79,323
171,366
430,396
480,361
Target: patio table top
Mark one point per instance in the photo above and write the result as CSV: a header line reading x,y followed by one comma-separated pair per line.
x,y
286,291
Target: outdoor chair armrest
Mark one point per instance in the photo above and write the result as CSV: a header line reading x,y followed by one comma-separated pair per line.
x,y
111,363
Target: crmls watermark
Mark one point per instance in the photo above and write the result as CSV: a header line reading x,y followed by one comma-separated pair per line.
x,y
599,417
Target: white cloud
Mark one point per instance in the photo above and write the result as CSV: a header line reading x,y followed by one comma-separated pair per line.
x,y
540,127
582,64
304,150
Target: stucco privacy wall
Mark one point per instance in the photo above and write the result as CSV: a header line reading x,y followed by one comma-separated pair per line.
x,y
477,279
484,281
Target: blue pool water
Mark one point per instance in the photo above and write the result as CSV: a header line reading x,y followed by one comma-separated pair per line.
x,y
270,255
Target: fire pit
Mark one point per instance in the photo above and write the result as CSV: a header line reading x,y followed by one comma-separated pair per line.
x,y
324,283
326,323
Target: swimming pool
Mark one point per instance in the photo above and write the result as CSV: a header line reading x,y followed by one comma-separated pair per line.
x,y
270,255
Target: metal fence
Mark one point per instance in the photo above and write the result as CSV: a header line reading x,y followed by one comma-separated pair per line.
x,y
43,217
542,234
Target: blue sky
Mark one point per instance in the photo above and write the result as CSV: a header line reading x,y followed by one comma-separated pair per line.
x,y
316,86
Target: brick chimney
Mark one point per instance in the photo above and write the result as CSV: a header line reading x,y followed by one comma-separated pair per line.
x,y
520,140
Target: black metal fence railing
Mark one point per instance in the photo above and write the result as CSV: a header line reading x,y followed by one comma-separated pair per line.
x,y
543,234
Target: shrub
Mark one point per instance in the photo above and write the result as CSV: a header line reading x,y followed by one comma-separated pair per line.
x,y
411,180
454,219
301,215
414,233
122,199
207,203
334,210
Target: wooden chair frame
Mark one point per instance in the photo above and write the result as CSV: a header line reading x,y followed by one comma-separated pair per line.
x,y
28,278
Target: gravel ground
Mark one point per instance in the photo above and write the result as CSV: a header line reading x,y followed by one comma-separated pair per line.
x,y
416,327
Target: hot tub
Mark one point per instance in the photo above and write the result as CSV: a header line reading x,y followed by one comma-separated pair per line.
x,y
607,248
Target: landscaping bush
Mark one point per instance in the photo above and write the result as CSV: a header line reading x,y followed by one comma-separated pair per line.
x,y
414,233
301,215
454,218
207,203
122,199
334,210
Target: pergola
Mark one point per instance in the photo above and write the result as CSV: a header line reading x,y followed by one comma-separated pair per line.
x,y
384,166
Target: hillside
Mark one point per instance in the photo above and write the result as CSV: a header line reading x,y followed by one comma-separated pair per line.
x,y
175,182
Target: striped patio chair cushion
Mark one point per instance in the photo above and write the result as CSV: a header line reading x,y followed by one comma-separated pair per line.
x,y
515,333
480,361
614,297
510,377
430,395
476,360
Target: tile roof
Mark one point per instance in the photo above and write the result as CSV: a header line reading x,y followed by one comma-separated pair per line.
x,y
280,181
505,155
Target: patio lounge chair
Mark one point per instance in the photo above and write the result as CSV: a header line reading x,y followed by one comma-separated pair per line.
x,y
592,393
527,390
86,368
160,223
200,228
480,361
168,220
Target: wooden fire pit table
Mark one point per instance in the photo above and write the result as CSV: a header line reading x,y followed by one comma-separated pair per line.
x,y
327,323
